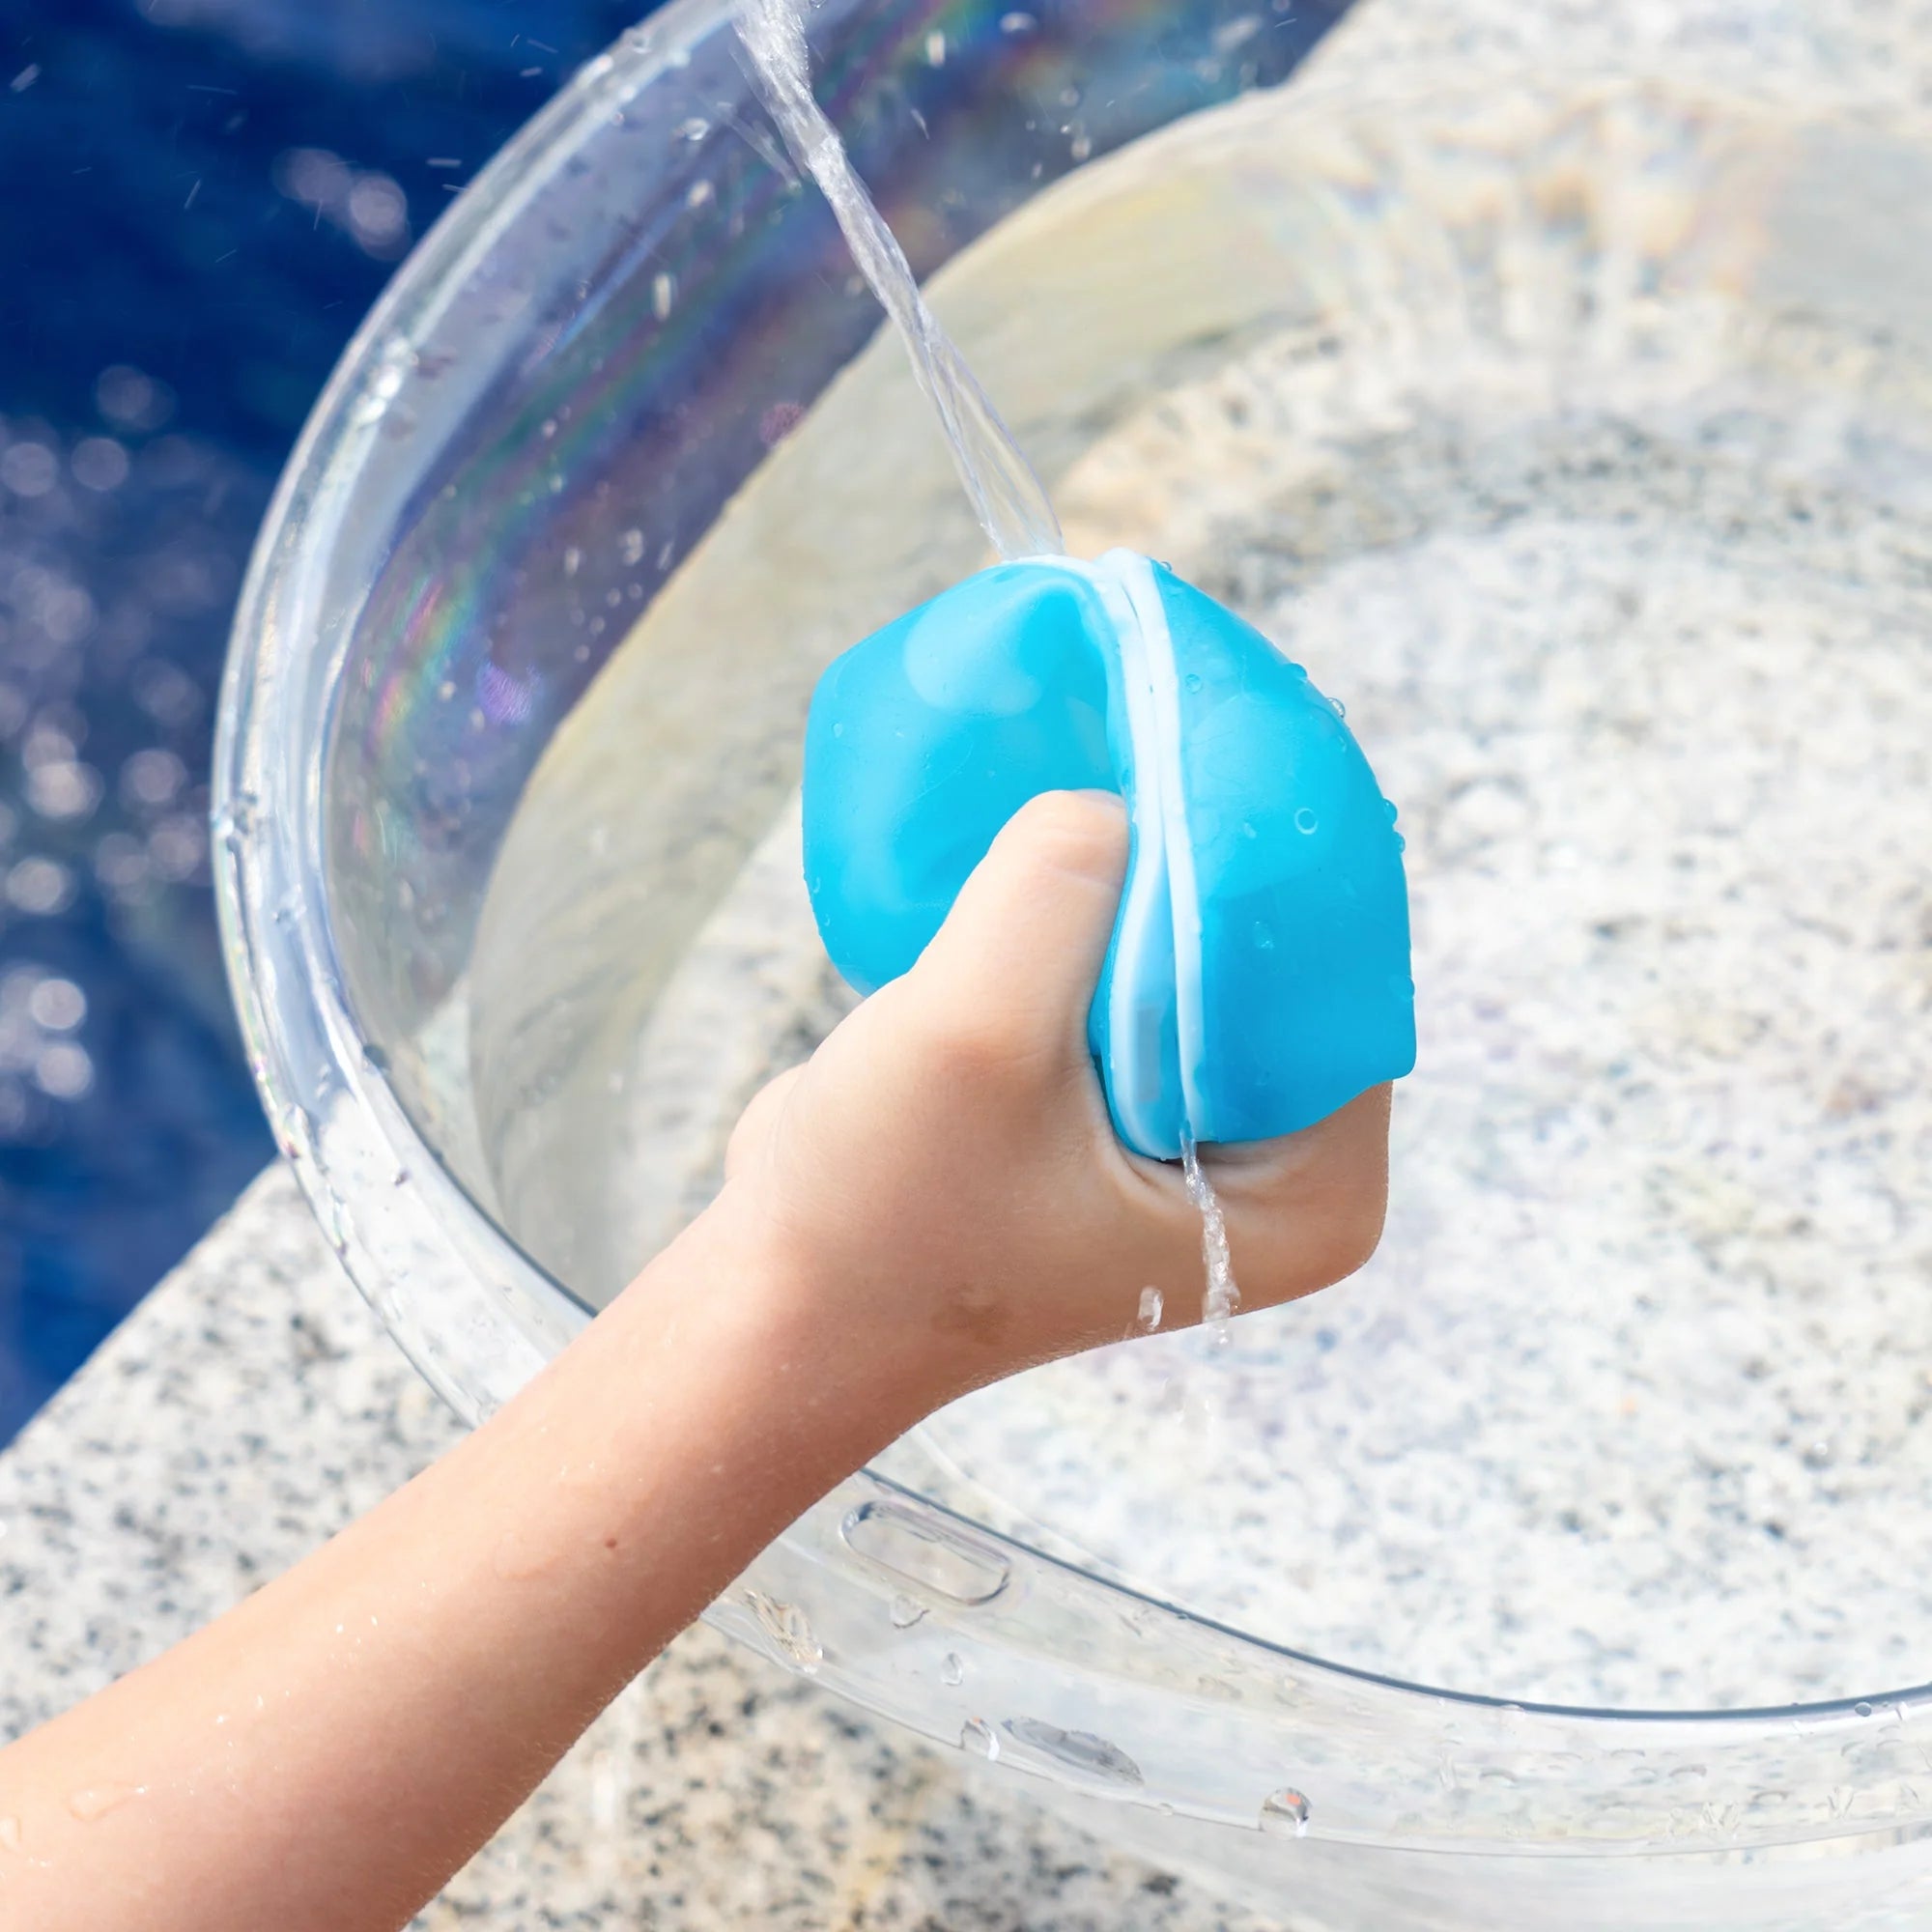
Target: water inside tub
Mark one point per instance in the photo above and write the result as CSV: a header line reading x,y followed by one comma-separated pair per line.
x,y
1584,440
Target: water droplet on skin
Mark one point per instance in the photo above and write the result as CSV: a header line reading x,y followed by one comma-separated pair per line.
x,y
906,1611
951,1671
1305,821
1285,1814
979,1738
1152,1304
10,1835
96,1801
790,1631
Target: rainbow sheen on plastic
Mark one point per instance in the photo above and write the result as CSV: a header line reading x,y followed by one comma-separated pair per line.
x,y
1259,974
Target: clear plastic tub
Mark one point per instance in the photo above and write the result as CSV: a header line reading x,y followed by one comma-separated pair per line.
x,y
1569,1563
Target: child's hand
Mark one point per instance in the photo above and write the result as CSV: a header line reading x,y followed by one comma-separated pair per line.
x,y
935,1200
941,1180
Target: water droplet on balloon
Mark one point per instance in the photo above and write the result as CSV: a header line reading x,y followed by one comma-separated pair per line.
x,y
1305,821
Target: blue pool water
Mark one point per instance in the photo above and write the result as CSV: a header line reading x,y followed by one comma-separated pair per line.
x,y
198,201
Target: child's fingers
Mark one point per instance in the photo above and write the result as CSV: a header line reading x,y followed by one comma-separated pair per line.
x,y
1016,962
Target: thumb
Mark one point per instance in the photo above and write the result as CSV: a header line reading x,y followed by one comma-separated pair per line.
x,y
1022,949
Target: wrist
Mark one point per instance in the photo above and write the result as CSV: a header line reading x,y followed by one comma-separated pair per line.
x,y
800,1332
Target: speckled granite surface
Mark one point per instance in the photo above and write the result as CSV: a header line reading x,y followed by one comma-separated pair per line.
x,y
253,1405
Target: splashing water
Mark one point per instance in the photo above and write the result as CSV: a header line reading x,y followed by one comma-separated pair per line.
x,y
1222,1298
1006,494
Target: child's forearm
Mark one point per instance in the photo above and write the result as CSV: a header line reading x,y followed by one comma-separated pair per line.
x,y
330,1751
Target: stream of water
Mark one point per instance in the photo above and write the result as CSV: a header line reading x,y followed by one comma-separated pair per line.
x,y
1007,496
999,481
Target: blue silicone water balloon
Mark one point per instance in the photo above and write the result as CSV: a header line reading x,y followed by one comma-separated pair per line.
x,y
1259,973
